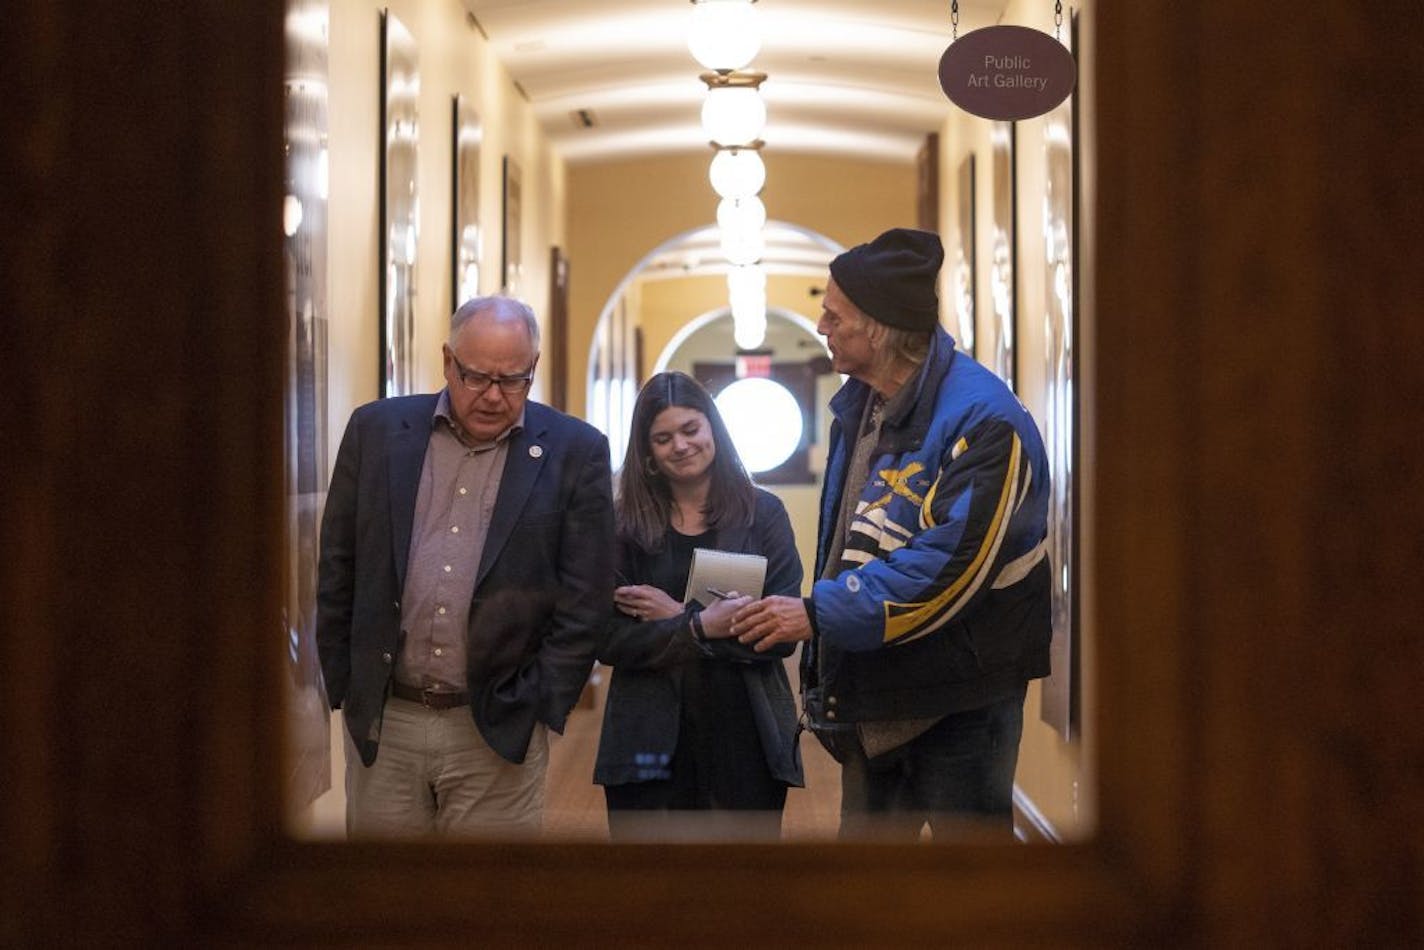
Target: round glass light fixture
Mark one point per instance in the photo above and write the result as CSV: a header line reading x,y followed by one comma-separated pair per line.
x,y
737,172
749,334
740,249
748,282
741,215
723,35
749,309
764,421
733,115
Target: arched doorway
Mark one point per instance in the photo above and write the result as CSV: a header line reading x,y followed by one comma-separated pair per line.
x,y
676,284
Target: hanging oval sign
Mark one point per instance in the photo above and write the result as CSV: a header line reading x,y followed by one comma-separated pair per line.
x,y
1007,72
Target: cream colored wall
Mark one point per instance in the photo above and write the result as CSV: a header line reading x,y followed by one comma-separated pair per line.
x,y
1056,775
621,211
453,58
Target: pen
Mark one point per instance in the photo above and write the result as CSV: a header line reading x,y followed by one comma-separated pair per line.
x,y
719,594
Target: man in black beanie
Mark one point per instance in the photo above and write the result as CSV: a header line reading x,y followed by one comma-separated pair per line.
x,y
931,609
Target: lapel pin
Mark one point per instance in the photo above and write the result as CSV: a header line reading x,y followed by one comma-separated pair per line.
x,y
535,451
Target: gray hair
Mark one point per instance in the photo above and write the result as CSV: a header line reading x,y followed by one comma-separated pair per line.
x,y
896,346
909,346
502,307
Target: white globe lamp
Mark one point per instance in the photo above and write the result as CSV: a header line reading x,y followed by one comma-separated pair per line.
x,y
724,35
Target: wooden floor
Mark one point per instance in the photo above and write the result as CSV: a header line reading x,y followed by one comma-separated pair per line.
x,y
574,808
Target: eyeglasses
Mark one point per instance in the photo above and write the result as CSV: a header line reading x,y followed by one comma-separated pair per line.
x,y
479,382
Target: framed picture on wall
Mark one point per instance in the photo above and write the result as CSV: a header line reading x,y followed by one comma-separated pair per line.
x,y
466,238
964,274
1060,217
927,184
399,224
511,269
304,224
556,343
1001,353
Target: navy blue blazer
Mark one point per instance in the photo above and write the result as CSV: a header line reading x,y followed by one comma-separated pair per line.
x,y
640,714
544,583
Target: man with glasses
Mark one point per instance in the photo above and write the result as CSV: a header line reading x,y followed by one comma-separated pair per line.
x,y
465,564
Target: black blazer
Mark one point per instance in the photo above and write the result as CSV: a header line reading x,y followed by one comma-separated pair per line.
x,y
544,583
640,714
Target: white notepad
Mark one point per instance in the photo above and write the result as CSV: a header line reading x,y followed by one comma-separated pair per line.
x,y
724,571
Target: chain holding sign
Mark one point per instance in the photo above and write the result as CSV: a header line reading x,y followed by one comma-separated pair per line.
x,y
1007,73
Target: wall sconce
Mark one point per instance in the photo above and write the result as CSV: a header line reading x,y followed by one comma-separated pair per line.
x,y
733,112
738,172
724,34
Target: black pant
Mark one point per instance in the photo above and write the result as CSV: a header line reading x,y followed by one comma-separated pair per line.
x,y
720,785
958,776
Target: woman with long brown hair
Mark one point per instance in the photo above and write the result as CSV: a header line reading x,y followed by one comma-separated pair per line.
x,y
694,721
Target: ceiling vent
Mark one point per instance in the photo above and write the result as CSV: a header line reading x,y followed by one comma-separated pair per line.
x,y
582,118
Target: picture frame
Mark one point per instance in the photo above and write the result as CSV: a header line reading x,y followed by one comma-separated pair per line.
x,y
399,230
1001,351
965,273
466,235
927,184
305,134
162,821
1060,706
511,266
557,341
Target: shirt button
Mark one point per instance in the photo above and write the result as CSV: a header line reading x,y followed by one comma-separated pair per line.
x,y
441,611
454,529
385,658
464,491
447,568
438,652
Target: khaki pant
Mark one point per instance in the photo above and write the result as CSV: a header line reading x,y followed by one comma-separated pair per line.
x,y
435,774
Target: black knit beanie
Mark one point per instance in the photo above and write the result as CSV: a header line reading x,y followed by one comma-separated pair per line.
x,y
893,277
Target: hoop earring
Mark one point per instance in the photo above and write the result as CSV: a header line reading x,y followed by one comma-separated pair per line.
x,y
650,465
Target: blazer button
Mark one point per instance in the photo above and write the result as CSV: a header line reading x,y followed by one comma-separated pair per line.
x,y
386,658
830,700
830,714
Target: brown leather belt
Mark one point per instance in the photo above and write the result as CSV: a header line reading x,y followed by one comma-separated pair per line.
x,y
430,698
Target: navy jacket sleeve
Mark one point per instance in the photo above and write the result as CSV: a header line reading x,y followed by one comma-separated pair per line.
x,y
663,644
585,588
336,571
771,537
629,643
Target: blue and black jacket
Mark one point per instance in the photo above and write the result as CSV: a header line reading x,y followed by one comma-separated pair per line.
x,y
941,600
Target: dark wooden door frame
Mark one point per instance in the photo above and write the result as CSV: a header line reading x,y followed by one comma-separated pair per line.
x,y
1252,593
